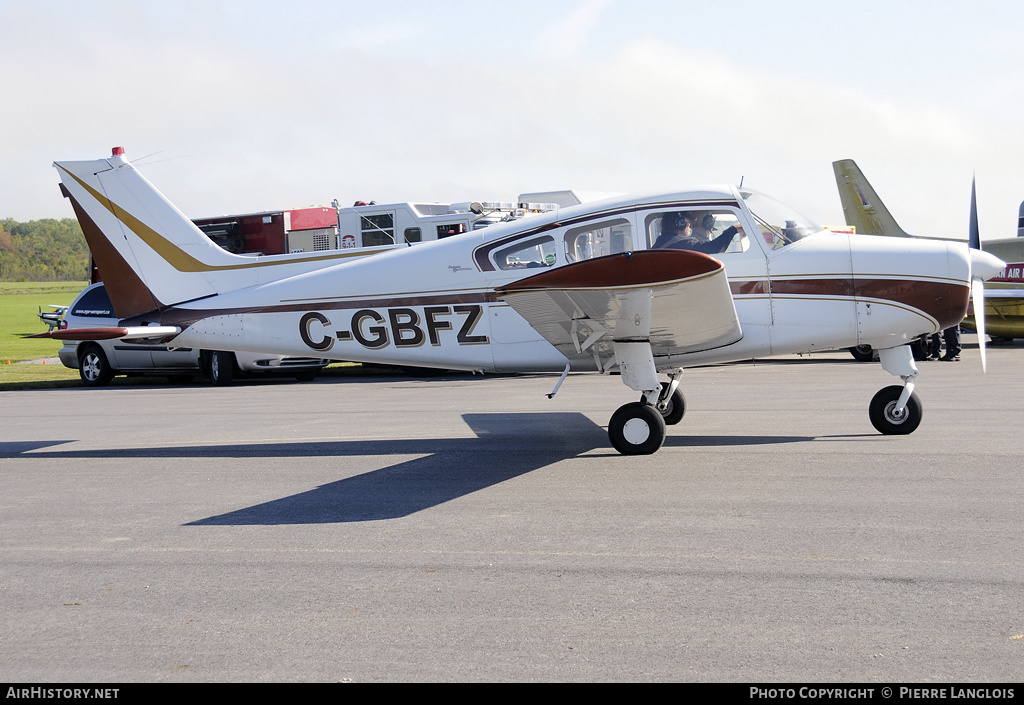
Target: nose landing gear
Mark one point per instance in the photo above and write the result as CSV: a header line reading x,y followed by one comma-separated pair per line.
x,y
888,418
897,410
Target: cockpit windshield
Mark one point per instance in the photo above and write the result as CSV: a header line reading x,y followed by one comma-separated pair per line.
x,y
780,225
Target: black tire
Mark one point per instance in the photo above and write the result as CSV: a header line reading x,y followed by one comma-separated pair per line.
x,y
862,353
885,422
676,408
636,429
222,368
93,367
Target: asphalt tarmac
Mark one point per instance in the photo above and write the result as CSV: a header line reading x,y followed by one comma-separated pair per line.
x,y
463,528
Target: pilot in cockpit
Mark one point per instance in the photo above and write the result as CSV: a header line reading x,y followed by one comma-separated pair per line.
x,y
692,230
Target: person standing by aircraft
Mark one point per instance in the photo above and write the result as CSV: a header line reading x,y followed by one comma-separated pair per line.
x,y
952,337
692,230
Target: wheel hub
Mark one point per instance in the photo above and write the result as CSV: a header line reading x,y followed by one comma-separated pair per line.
x,y
895,415
636,431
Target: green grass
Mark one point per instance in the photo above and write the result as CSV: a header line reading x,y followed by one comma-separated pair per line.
x,y
19,304
14,377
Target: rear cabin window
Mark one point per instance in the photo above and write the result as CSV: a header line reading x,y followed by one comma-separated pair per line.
x,y
598,239
531,254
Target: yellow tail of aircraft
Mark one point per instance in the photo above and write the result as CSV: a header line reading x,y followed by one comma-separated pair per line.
x,y
861,205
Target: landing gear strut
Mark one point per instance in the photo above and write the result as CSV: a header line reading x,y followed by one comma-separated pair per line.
x,y
671,404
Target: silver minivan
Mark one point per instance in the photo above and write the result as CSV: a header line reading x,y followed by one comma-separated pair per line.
x,y
98,361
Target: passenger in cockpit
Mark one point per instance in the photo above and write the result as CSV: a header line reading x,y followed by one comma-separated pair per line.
x,y
692,230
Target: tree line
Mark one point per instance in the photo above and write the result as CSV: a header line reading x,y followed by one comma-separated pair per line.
x,y
46,250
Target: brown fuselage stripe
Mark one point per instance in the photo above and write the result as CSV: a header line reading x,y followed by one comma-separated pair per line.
x,y
944,302
185,317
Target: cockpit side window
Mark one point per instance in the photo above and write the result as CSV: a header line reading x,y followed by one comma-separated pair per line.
x,y
780,224
714,230
530,254
598,239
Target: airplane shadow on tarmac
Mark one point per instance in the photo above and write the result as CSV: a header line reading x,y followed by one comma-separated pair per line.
x,y
505,446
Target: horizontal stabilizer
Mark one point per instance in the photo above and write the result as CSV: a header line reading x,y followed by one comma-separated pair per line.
x,y
119,333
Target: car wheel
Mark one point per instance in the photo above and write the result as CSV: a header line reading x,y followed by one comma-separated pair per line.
x,y
94,368
862,353
919,348
222,368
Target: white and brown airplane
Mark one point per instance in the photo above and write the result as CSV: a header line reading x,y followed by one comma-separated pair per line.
x,y
646,284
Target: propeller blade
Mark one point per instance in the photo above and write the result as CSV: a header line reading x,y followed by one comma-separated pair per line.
x,y
974,237
983,266
978,294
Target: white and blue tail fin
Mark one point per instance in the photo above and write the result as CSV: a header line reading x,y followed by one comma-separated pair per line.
x,y
148,252
861,205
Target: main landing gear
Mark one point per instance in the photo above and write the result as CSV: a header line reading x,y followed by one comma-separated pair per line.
x,y
897,410
638,428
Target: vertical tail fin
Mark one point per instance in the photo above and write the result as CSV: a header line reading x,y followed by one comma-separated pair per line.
x,y
148,252
861,205
151,255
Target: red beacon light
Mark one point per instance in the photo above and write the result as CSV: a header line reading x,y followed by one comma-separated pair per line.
x,y
117,152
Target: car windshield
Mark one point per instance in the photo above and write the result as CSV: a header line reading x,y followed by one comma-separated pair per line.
x,y
780,224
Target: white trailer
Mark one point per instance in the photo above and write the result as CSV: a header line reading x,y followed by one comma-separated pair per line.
x,y
376,225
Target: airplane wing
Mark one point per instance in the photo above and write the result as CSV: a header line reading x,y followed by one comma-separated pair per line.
x,y
677,300
994,293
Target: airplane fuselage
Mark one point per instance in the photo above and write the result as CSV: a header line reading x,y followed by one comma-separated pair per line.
x,y
437,304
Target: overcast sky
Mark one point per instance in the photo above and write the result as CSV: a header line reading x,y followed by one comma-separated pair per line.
x,y
232,107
